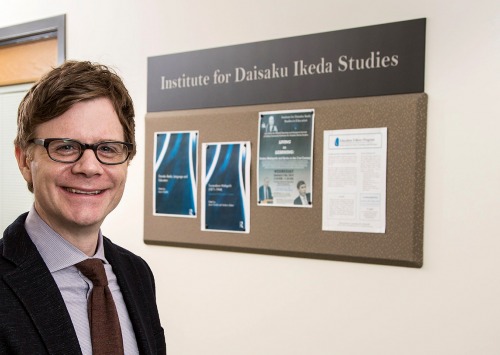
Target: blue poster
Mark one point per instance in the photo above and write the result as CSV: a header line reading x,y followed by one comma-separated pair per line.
x,y
225,187
175,174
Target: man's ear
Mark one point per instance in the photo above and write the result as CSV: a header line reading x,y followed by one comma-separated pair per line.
x,y
23,161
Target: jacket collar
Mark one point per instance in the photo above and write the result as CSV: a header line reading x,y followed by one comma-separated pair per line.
x,y
36,289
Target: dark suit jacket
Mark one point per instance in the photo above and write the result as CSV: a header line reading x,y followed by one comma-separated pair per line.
x,y
298,201
262,194
33,316
271,129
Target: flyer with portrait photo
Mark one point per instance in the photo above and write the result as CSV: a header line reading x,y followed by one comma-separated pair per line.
x,y
175,174
285,158
225,195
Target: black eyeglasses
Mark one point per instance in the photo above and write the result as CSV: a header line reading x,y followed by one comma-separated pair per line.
x,y
65,150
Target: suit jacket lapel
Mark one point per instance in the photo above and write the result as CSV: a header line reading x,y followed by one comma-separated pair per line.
x,y
35,287
125,275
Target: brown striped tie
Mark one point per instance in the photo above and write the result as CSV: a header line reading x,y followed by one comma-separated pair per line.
x,y
103,318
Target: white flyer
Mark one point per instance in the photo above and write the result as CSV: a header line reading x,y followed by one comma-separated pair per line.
x,y
354,180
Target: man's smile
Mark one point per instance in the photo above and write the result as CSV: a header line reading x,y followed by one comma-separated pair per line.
x,y
75,191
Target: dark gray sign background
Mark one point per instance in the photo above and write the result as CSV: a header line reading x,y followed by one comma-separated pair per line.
x,y
406,40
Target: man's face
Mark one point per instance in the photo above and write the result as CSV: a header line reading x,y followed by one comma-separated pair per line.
x,y
72,197
302,190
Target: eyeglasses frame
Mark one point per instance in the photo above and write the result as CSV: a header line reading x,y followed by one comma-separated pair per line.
x,y
44,142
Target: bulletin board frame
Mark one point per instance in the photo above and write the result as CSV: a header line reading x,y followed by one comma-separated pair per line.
x,y
296,232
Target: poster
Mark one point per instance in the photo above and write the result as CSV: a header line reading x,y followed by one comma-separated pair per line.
x,y
226,187
354,180
284,168
175,174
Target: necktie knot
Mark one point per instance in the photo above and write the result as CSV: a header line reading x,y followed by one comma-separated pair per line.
x,y
93,269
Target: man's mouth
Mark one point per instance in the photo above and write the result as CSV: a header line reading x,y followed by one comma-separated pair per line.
x,y
80,192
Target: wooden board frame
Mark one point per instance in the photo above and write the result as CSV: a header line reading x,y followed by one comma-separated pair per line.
x,y
297,232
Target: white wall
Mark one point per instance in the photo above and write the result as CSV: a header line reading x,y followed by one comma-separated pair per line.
x,y
221,303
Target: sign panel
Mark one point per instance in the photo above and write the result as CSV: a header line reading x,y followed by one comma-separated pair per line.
x,y
368,61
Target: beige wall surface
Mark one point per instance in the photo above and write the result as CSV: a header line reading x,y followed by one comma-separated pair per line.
x,y
223,303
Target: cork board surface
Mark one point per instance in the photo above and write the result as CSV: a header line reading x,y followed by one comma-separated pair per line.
x,y
297,232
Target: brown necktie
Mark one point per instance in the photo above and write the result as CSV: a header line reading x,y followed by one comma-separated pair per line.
x,y
104,324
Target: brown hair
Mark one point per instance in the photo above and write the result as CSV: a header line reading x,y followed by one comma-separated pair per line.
x,y
66,85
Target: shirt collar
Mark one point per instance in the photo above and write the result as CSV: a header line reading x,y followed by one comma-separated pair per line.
x,y
56,252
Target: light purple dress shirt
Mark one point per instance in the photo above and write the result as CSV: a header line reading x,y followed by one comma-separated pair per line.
x,y
61,257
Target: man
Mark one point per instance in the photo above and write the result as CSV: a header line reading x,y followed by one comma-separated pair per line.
x,y
303,198
265,192
271,127
74,142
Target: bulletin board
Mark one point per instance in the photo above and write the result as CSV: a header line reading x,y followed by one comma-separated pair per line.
x,y
297,232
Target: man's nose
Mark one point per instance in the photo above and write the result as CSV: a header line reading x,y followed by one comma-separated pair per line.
x,y
88,164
